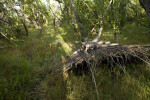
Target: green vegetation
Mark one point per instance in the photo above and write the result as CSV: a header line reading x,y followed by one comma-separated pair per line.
x,y
33,69
130,34
37,37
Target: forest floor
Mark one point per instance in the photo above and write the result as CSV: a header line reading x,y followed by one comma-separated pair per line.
x,y
33,69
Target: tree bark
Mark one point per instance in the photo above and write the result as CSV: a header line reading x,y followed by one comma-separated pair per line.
x,y
54,14
72,25
54,19
23,20
99,35
116,37
8,22
102,22
54,23
37,17
146,5
82,29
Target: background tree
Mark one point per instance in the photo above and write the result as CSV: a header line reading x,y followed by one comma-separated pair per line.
x,y
146,5
37,17
80,25
23,19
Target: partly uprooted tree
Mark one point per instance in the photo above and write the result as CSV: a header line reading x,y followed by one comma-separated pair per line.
x,y
107,53
101,53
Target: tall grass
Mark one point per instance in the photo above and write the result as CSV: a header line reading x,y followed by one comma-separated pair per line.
x,y
33,70
130,34
15,76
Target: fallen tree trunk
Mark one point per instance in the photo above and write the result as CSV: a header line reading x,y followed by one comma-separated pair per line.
x,y
107,53
93,54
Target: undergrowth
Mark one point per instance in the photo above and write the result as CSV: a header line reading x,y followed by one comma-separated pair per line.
x,y
33,69
134,85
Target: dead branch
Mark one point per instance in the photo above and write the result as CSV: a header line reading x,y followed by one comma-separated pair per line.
x,y
109,53
8,38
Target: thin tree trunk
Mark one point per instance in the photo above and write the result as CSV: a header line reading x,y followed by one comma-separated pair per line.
x,y
99,35
23,20
8,22
92,30
125,13
82,29
37,17
21,14
72,25
102,22
114,26
149,21
54,18
116,37
54,14
54,22
146,5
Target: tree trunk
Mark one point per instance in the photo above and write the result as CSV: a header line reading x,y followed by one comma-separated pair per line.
x,y
116,37
102,22
54,22
82,29
37,17
146,5
72,25
99,35
23,20
54,18
54,14
71,21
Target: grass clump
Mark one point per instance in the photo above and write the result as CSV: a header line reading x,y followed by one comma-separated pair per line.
x,y
15,76
129,34
33,70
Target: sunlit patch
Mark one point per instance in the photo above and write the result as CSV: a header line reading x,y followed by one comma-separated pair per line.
x,y
65,46
125,38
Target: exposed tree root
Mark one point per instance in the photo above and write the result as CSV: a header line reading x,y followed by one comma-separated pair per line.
x,y
107,53
110,54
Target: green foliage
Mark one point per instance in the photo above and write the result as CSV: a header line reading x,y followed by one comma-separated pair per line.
x,y
15,76
33,69
111,85
130,34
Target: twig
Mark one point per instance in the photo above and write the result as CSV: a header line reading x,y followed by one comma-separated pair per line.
x,y
8,38
94,83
